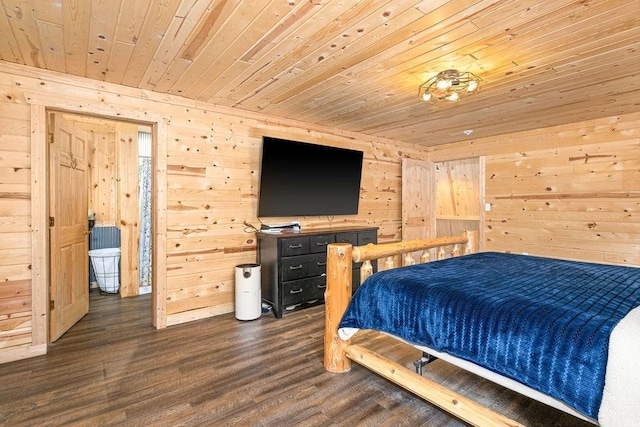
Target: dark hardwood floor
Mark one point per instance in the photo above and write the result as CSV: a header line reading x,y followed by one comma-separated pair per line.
x,y
113,368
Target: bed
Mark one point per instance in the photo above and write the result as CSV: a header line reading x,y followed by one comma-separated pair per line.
x,y
562,332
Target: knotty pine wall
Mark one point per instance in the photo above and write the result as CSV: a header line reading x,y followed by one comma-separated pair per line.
x,y
206,165
15,227
569,191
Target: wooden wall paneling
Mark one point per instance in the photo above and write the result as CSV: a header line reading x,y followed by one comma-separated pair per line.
x,y
128,208
483,205
39,231
159,206
222,144
210,241
15,240
15,128
17,222
15,340
192,306
117,101
199,296
105,191
92,165
212,189
14,180
572,201
14,208
197,265
22,333
17,256
453,227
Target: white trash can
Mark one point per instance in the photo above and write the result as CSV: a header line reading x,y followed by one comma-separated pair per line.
x,y
248,293
106,267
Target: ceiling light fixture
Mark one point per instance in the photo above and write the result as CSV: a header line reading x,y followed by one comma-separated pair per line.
x,y
449,85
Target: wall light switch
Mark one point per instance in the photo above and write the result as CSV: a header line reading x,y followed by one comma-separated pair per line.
x,y
487,207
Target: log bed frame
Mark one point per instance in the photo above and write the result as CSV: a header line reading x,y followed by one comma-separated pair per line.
x,y
338,353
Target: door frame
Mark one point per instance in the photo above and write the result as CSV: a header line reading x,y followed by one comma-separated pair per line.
x,y
40,261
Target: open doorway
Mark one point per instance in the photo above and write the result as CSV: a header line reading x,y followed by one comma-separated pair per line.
x,y
111,164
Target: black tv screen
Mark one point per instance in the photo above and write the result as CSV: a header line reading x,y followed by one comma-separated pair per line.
x,y
299,178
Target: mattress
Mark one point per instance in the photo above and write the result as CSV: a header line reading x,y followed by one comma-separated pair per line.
x,y
542,323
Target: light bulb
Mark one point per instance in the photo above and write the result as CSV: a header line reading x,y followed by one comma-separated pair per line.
x,y
443,84
473,85
425,96
453,96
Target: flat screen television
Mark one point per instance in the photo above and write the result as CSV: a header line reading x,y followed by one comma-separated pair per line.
x,y
299,178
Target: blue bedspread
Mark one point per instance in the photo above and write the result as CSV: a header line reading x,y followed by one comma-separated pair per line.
x,y
540,321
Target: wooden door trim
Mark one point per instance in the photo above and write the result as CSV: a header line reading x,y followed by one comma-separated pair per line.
x,y
482,183
159,221
40,226
39,231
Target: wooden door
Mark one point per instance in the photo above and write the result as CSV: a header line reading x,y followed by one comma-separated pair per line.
x,y
418,200
459,195
68,231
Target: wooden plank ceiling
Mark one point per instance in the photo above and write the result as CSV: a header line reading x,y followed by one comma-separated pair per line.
x,y
353,65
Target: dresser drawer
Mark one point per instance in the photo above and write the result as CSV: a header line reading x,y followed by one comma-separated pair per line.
x,y
351,237
366,237
297,267
303,290
319,243
294,246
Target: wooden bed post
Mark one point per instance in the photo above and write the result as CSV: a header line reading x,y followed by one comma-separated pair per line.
x,y
337,296
472,242
338,353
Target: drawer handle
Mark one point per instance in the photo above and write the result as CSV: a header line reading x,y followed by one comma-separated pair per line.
x,y
321,264
322,243
322,286
297,291
295,246
295,267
